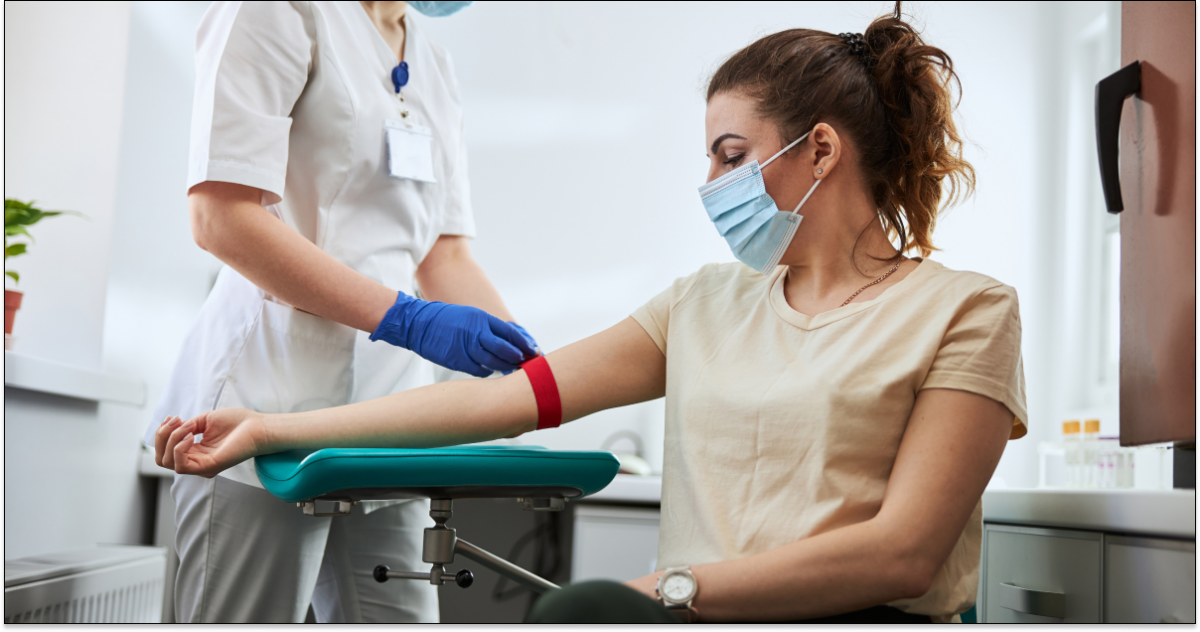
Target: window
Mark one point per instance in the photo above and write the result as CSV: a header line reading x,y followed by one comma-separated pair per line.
x,y
1091,247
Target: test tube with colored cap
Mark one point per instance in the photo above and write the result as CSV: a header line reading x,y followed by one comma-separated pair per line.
x,y
1091,453
1070,431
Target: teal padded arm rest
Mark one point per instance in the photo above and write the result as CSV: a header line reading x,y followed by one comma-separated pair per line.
x,y
457,472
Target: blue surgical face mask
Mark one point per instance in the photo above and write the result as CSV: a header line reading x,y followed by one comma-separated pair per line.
x,y
756,230
439,9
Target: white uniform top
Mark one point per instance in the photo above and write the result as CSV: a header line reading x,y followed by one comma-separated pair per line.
x,y
291,98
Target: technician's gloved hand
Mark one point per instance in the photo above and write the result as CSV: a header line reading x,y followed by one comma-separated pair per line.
x,y
457,337
532,343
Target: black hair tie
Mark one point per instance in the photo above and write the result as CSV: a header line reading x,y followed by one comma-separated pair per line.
x,y
858,46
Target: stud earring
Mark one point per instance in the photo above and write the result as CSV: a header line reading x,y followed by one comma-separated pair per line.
x,y
820,171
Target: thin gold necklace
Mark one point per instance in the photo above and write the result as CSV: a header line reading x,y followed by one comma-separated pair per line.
x,y
879,280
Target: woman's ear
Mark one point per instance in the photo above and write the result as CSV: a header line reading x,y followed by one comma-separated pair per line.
x,y
826,150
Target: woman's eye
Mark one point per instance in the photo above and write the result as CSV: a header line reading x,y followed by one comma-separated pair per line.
x,y
733,160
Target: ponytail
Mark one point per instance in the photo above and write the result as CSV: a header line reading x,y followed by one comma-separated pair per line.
x,y
888,91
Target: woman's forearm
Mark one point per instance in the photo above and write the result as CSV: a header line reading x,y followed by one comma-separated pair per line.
x,y
450,274
450,413
844,570
229,222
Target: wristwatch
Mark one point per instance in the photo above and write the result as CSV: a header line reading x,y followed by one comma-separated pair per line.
x,y
677,590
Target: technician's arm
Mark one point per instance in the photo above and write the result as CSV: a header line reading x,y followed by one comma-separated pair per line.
x,y
450,274
951,447
229,221
616,367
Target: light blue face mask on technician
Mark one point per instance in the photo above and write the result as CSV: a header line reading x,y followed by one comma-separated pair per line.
x,y
438,9
756,230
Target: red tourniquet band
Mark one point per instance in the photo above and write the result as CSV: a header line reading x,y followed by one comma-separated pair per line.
x,y
545,391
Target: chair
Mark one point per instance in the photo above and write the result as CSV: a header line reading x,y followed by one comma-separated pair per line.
x,y
540,479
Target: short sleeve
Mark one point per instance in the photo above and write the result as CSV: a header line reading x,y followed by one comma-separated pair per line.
x,y
981,353
457,216
252,63
655,316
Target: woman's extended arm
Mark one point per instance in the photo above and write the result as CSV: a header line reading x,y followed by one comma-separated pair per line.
x,y
950,448
616,367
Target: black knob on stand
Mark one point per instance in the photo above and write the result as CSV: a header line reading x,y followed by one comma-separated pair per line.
x,y
380,573
464,578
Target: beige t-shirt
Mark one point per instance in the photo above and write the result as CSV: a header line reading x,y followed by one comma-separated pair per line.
x,y
781,426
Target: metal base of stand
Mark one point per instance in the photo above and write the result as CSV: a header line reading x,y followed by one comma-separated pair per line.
x,y
442,543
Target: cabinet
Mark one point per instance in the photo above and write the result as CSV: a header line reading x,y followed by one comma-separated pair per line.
x,y
612,542
1158,227
1041,575
1149,580
1035,575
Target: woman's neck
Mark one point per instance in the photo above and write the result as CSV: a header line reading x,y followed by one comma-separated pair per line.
x,y
388,18
849,254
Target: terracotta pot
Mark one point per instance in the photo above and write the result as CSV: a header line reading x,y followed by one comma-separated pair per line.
x,y
12,302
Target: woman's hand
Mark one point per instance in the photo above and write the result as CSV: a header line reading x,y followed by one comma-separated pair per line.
x,y
230,436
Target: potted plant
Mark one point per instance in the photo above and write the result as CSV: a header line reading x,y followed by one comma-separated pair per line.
x,y
17,216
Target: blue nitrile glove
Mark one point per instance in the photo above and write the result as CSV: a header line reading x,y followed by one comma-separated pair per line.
x,y
457,337
532,343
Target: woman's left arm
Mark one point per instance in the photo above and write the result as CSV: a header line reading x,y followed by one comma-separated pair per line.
x,y
451,275
949,451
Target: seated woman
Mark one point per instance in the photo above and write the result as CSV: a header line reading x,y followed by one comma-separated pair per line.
x,y
834,409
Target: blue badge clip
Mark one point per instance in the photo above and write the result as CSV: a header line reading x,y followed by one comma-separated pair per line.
x,y
400,76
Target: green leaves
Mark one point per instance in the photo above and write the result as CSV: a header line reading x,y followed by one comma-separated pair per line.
x,y
9,231
18,215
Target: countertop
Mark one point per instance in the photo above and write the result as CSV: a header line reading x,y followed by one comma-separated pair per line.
x,y
1163,512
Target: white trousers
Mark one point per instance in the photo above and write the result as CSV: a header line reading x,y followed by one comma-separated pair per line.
x,y
248,557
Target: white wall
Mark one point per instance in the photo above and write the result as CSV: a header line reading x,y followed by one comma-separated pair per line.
x,y
69,465
585,130
63,88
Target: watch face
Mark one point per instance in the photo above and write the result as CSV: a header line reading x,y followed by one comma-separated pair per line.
x,y
677,587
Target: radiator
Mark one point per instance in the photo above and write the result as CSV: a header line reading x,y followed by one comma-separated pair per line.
x,y
102,584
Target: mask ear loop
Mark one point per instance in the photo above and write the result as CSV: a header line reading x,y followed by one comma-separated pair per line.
x,y
782,151
806,196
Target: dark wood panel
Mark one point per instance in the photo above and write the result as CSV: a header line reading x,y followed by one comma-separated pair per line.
x,y
1158,226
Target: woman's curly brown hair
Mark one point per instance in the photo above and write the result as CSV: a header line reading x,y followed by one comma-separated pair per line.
x,y
893,98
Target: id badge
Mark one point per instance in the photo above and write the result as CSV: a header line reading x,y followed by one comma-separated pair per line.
x,y
409,151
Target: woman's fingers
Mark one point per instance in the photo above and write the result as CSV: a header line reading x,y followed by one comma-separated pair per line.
x,y
170,453
180,450
160,441
160,438
200,422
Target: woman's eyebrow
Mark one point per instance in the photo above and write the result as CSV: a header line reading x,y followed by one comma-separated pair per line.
x,y
722,138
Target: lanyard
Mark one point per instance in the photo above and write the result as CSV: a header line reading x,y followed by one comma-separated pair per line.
x,y
399,80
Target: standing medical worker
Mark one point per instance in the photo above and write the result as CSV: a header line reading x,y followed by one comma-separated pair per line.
x,y
328,173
